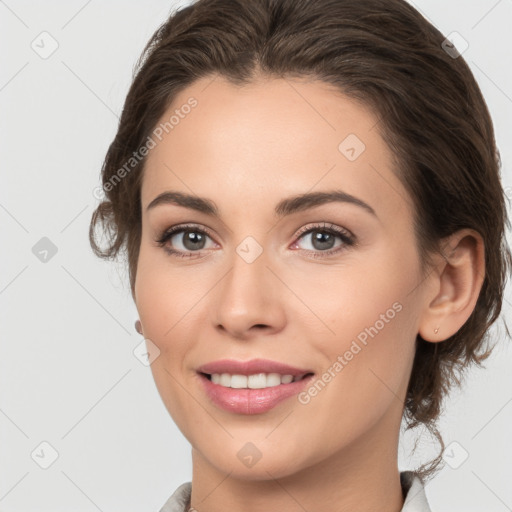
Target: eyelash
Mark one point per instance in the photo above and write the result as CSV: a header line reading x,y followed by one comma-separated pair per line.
x,y
346,236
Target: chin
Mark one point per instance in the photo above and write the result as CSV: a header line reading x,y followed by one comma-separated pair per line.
x,y
251,463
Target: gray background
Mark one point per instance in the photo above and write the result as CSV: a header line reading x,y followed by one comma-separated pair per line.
x,y
68,374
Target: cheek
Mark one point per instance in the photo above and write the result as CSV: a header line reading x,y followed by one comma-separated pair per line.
x,y
164,297
372,319
165,306
181,405
168,305
374,299
368,364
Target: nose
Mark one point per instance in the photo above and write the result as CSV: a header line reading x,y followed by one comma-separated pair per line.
x,y
249,299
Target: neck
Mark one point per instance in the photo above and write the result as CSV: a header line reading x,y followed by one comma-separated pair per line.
x,y
362,476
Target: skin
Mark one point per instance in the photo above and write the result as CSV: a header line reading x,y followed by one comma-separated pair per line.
x,y
245,149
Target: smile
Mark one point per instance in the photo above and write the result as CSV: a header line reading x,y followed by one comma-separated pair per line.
x,y
247,400
255,381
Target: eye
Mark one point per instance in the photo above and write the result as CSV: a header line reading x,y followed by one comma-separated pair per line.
x,y
322,239
185,240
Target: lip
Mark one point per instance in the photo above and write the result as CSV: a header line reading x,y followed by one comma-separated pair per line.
x,y
251,367
251,401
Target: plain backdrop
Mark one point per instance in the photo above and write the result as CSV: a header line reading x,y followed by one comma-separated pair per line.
x,y
73,397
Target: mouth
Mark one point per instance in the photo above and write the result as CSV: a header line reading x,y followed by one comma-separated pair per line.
x,y
254,386
255,393
253,381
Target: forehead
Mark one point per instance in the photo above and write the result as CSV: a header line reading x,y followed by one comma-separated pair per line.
x,y
255,143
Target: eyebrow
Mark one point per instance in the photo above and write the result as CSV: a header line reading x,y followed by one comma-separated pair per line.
x,y
285,207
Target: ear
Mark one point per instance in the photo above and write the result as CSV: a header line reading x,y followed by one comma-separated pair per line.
x,y
454,286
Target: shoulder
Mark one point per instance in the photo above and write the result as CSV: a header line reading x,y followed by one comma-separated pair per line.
x,y
179,500
414,493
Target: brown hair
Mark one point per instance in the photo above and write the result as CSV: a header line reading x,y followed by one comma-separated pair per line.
x,y
385,54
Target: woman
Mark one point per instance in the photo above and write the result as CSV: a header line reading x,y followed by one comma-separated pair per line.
x,y
309,197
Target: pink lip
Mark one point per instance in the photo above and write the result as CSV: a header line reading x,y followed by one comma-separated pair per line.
x,y
250,367
250,401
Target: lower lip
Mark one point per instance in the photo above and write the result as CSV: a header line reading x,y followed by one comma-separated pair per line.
x,y
251,401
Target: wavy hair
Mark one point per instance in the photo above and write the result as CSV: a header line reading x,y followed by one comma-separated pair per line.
x,y
431,115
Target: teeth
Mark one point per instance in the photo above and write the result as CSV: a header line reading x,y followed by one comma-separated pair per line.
x,y
257,381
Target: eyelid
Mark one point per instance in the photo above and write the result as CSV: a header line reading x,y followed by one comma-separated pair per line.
x,y
325,226
166,233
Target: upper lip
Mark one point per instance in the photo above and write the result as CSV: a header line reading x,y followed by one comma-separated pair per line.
x,y
250,367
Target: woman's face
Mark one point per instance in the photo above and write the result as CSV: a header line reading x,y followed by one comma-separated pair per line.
x,y
326,285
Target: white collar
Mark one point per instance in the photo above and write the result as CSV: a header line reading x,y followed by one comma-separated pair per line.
x,y
412,485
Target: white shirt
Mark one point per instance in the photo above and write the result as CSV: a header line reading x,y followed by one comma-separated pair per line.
x,y
412,486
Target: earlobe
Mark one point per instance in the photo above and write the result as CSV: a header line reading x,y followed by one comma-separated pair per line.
x,y
456,286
